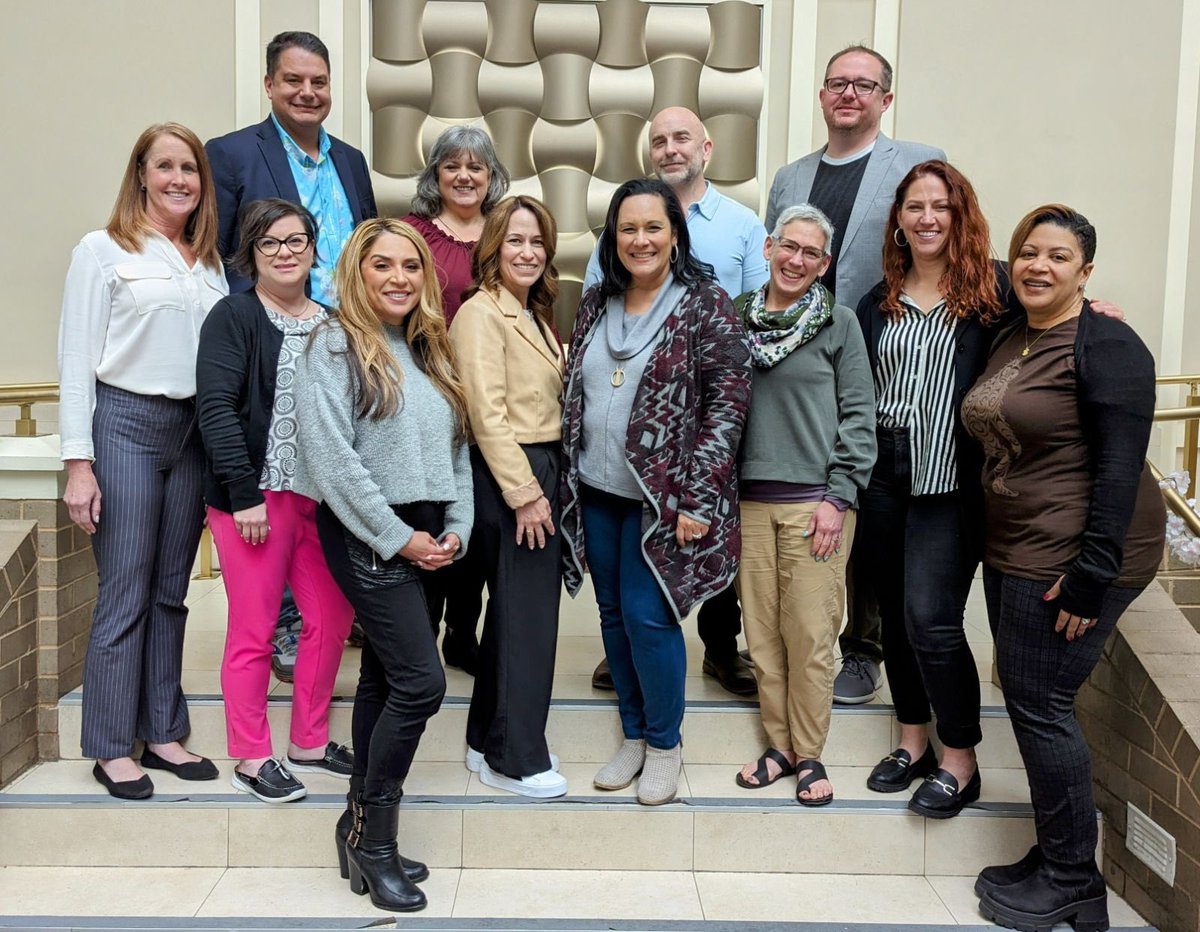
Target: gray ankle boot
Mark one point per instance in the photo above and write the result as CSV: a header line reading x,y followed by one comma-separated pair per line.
x,y
660,775
619,772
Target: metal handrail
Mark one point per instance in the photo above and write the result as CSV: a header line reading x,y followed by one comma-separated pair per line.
x,y
25,397
1178,380
1176,502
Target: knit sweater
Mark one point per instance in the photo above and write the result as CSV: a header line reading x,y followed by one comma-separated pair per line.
x,y
361,467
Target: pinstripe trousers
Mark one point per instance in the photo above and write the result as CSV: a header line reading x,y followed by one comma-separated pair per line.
x,y
1040,673
149,466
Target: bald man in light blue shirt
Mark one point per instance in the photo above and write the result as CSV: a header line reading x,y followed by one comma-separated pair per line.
x,y
729,237
725,234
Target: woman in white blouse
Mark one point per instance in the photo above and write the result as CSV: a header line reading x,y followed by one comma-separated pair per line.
x,y
135,296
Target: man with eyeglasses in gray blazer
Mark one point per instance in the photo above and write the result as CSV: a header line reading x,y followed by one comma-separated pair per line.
x,y
853,180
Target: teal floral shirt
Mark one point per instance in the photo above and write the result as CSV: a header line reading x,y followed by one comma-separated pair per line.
x,y
322,193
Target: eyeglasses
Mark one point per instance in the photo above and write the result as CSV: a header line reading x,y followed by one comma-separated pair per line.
x,y
789,248
296,244
863,87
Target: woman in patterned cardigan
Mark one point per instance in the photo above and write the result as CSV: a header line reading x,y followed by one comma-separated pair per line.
x,y
658,384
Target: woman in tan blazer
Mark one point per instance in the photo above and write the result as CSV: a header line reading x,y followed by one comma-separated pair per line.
x,y
511,363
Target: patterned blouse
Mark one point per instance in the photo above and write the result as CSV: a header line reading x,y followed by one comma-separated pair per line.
x,y
279,467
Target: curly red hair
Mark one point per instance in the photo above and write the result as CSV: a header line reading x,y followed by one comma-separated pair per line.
x,y
969,282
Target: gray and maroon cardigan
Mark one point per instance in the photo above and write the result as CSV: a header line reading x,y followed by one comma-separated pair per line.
x,y
682,443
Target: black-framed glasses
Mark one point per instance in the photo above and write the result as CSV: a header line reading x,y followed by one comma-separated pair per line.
x,y
296,244
863,87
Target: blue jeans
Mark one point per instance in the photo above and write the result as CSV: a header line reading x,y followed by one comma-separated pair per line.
x,y
642,639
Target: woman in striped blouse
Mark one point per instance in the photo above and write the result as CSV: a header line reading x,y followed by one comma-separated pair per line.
x,y
927,329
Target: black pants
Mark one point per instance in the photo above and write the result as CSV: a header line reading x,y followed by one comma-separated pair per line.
x,y
1040,673
863,632
455,594
719,622
918,553
400,682
511,701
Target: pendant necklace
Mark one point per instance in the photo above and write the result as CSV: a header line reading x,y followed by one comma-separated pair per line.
x,y
618,377
1029,345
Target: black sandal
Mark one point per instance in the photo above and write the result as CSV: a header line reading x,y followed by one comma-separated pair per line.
x,y
816,773
762,775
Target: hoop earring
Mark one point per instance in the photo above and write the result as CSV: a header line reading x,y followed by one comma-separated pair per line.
x,y
674,253
896,234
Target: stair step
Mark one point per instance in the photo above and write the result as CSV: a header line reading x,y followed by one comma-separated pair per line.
x,y
588,730
451,820
516,900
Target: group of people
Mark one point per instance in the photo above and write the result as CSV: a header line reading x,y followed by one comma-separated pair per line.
x,y
844,415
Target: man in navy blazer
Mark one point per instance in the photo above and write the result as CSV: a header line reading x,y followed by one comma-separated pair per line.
x,y
290,155
853,180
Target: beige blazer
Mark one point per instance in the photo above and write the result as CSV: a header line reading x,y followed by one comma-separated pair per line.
x,y
512,368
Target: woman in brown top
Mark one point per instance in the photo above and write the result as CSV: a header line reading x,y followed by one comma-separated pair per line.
x,y
512,366
1074,532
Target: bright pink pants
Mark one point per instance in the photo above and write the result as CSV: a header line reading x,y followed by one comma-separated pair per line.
x,y
254,579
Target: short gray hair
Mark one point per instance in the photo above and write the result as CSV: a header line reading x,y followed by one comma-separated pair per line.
x,y
459,140
809,214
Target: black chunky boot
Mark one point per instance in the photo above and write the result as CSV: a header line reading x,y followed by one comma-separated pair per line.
x,y
1051,894
374,863
1001,875
414,870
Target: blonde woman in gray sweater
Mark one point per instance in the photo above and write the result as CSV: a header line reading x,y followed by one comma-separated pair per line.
x,y
382,419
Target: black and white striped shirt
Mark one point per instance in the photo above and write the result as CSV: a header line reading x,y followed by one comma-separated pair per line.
x,y
914,388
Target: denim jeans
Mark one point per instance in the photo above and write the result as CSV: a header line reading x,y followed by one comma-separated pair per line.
x,y
642,639
400,683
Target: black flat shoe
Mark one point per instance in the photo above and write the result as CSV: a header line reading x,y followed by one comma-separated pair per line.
x,y
940,798
602,676
141,788
733,673
202,769
895,772
1048,896
1002,875
461,650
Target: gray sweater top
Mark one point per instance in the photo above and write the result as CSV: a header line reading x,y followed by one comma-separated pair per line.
x,y
812,416
361,467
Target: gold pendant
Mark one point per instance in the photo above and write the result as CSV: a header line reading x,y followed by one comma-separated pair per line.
x,y
618,377
1025,352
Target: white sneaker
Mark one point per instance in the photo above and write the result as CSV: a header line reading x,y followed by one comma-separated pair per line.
x,y
544,785
475,760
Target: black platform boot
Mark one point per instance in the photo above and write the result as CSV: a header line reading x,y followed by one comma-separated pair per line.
x,y
1001,875
414,870
1051,894
374,863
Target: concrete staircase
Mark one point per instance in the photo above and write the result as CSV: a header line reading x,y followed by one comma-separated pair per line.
x,y
719,854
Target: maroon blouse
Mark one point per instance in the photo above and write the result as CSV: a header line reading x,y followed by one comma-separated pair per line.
x,y
451,258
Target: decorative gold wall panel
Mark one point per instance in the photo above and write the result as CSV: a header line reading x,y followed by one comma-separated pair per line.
x,y
566,89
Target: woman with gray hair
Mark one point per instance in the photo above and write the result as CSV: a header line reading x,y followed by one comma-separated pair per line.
x,y
807,452
462,180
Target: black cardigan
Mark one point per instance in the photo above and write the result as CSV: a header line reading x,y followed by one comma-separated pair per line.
x,y
235,397
1114,385
973,342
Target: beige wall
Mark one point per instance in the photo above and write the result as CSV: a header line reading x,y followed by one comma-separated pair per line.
x,y
1034,100
84,78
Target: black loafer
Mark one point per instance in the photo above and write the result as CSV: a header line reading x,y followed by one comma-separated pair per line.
x,y
337,762
895,772
1004,875
202,769
141,788
940,798
732,672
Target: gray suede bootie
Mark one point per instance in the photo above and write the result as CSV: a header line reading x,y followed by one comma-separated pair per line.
x,y
623,769
660,775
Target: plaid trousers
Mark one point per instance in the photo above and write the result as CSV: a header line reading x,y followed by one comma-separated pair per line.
x,y
1040,673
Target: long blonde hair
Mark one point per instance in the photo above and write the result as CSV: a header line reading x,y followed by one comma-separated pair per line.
x,y
377,376
128,225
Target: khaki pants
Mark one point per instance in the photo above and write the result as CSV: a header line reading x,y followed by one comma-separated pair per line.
x,y
792,609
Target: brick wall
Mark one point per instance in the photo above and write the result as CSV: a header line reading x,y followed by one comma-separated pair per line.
x,y
18,647
66,594
1141,713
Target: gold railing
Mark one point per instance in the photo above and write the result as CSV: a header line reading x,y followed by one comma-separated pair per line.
x,y
25,397
1190,415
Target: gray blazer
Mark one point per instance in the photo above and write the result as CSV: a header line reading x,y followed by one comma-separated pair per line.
x,y
860,262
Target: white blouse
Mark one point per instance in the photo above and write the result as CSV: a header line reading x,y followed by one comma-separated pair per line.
x,y
130,320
